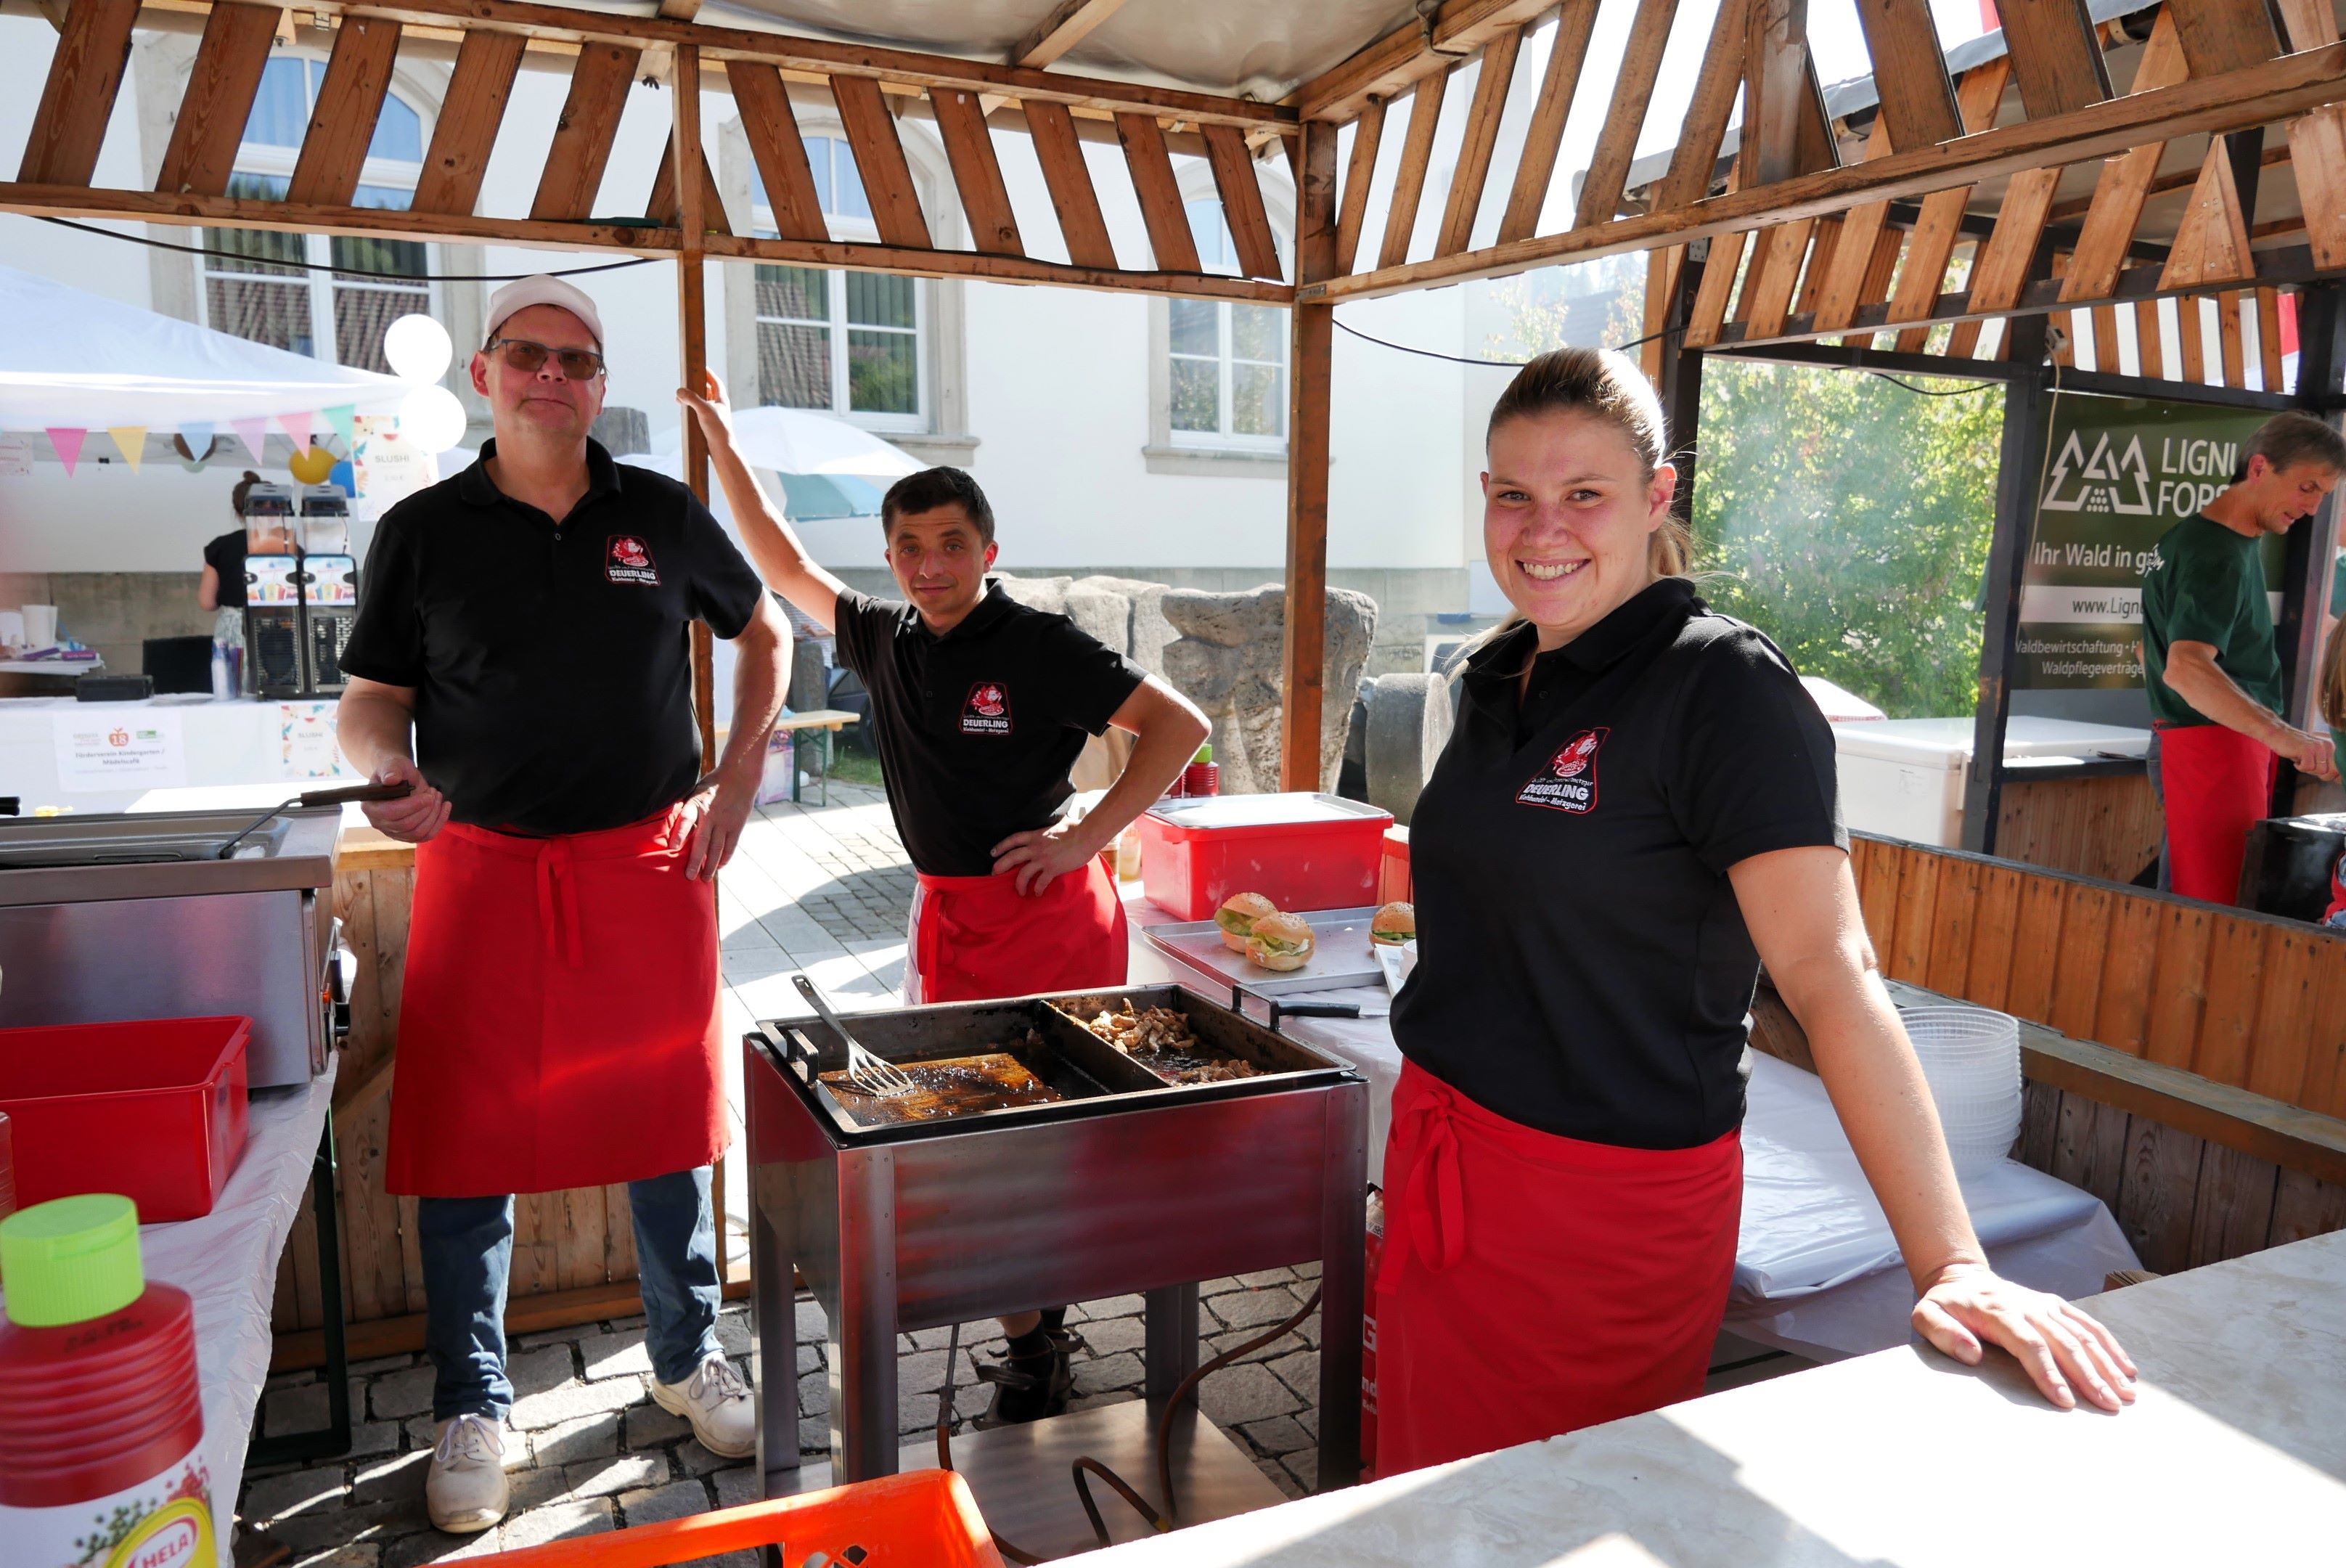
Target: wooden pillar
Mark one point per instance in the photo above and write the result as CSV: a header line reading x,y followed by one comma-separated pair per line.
x,y
1680,387
2026,406
1310,371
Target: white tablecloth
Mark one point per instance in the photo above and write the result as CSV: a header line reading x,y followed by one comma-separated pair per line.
x,y
228,1262
1816,1268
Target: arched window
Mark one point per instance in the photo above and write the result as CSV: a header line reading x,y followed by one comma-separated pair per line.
x,y
1227,361
338,315
848,343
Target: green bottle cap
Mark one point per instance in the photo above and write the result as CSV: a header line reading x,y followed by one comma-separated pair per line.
x,y
1205,753
70,1260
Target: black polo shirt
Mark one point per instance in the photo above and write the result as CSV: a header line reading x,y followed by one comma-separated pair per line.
x,y
1582,966
977,729
225,555
551,661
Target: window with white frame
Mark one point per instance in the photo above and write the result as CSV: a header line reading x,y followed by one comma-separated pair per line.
x,y
255,292
1226,360
848,343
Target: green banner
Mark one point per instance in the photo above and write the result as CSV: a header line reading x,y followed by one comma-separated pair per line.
x,y
2119,474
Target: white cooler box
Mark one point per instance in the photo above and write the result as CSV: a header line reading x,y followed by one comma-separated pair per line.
x,y
1904,777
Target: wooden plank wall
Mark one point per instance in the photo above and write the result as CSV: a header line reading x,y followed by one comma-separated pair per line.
x,y
2103,828
2249,999
562,1240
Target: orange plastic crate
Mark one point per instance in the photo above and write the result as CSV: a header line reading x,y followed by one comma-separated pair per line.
x,y
924,1519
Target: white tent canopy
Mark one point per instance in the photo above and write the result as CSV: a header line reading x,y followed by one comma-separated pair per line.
x,y
73,359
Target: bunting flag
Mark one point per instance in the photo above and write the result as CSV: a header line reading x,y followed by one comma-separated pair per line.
x,y
296,426
130,440
68,444
197,435
254,433
344,418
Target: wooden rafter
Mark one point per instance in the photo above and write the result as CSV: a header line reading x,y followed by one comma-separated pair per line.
x,y
1161,210
2269,363
466,129
665,208
2126,182
584,135
2055,59
771,127
2317,141
879,162
1692,161
221,86
2211,243
2149,343
1838,292
1544,137
1633,89
2221,36
977,172
1360,173
85,75
358,74
1069,23
1932,243
1242,208
1411,52
1409,180
1481,138
1073,197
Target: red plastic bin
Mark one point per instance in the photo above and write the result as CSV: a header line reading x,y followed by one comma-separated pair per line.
x,y
151,1109
1302,851
922,1519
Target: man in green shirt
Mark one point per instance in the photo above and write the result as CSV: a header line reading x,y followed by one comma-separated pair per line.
x,y
2211,669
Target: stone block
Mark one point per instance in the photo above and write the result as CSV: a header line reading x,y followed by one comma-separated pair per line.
x,y
737,1486
326,1529
432,1546
290,1495
812,1327
1121,1371
1280,1434
1299,1372
691,1458
1267,1276
1111,1335
562,1520
1228,660
381,1364
361,1554
1408,724
609,1355
373,1437
1048,595
1151,632
1304,1467
1246,1392
648,1426
397,1394
1087,1311
676,1500
589,1437
1113,1397
537,1371
395,1476
300,1410
1253,1309
534,1488
814,1395
620,1472
572,1401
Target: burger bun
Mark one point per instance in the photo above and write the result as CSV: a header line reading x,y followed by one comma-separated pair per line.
x,y
1394,924
1279,941
1238,915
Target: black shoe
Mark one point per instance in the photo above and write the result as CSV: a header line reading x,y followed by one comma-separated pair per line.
x,y
1028,1388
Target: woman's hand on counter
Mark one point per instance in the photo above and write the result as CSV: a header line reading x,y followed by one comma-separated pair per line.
x,y
413,818
2065,1350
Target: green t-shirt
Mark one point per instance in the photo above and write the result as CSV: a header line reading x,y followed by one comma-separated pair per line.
x,y
2209,587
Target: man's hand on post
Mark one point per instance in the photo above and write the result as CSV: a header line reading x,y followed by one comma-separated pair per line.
x,y
714,815
413,818
2311,753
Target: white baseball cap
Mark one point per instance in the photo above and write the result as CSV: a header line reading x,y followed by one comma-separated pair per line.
x,y
543,288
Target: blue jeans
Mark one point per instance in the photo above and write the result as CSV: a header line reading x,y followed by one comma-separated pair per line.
x,y
467,1250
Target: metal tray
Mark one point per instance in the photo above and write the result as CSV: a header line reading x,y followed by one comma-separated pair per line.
x,y
1339,954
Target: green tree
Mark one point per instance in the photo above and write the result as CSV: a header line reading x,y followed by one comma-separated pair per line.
x,y
1849,517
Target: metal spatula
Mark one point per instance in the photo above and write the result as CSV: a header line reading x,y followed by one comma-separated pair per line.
x,y
866,1069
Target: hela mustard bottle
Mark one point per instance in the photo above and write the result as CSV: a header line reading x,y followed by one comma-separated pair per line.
x,y
101,1414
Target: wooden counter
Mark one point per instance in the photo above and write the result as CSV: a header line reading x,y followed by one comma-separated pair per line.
x,y
2235,1454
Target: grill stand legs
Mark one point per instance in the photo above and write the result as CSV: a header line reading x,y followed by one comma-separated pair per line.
x,y
862,1348
1171,1349
1342,1262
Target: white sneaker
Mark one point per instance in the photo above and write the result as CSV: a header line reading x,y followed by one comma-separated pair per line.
x,y
465,1492
717,1402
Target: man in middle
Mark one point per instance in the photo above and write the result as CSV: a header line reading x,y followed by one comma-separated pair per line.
x,y
980,707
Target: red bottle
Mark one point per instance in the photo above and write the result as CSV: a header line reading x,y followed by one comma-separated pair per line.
x,y
101,1413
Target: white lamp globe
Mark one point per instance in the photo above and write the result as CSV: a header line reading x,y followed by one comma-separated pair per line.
x,y
431,418
418,348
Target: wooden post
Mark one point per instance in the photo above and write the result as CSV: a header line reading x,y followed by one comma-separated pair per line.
x,y
692,323
1311,371
1680,384
2026,403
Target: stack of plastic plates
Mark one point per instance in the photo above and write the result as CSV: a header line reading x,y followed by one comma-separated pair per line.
x,y
1970,1057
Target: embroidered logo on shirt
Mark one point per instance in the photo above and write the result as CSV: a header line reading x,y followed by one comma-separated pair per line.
x,y
987,711
630,562
1569,782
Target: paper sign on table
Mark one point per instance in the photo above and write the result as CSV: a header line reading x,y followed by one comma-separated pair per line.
x,y
115,746
306,743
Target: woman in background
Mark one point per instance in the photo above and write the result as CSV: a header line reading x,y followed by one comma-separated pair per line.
x,y
222,588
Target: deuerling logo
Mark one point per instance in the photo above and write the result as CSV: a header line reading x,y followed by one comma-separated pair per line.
x,y
1568,783
987,709
627,561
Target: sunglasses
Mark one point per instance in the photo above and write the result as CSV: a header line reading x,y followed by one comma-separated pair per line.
x,y
578,364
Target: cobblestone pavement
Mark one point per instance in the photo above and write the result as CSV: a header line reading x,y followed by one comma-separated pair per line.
x,y
589,1452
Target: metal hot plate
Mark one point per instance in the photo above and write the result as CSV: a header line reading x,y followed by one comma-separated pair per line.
x,y
1088,1076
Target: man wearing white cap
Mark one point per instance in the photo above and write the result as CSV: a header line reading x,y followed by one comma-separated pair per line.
x,y
525,630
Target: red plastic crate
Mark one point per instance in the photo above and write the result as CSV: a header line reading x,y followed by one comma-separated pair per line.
x,y
1302,851
1394,880
152,1108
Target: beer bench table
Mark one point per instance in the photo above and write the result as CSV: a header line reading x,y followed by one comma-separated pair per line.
x,y
831,721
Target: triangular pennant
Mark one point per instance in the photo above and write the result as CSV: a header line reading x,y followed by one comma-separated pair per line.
x,y
343,420
68,444
130,440
254,433
296,426
197,435
2211,243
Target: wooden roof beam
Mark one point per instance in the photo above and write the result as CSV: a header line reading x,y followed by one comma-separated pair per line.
x,y
2234,101
1068,24
1408,54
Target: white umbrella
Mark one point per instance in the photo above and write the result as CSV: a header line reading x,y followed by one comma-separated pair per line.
x,y
800,441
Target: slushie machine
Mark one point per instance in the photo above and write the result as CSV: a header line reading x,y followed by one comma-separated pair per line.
x,y
301,590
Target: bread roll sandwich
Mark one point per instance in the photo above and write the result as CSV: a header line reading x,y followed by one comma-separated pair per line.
x,y
1394,925
1237,917
1279,941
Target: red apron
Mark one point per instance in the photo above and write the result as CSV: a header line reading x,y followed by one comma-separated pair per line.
x,y
2218,784
1532,1285
974,938
559,1026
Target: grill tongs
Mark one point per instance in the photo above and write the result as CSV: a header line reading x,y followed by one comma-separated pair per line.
x,y
866,1069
